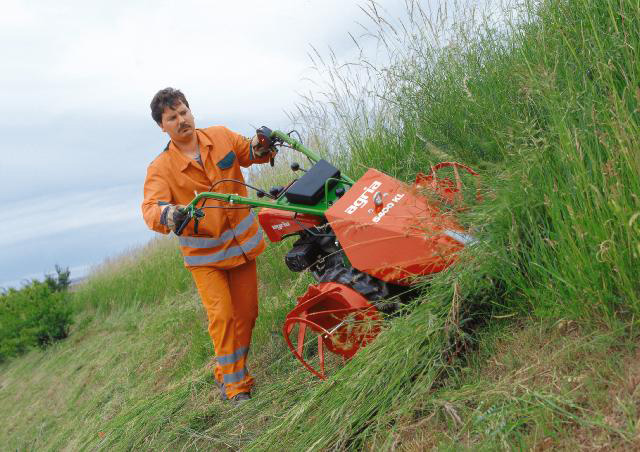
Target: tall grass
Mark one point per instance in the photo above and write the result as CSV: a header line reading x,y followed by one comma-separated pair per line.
x,y
144,276
547,104
541,96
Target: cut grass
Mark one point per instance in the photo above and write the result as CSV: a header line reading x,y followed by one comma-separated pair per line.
x,y
139,375
535,385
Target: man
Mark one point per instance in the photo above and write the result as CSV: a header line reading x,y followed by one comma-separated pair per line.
x,y
219,249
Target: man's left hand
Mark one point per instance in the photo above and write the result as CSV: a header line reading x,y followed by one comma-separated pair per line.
x,y
173,216
260,151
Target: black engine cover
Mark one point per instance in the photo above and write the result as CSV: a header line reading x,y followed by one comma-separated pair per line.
x,y
309,189
301,256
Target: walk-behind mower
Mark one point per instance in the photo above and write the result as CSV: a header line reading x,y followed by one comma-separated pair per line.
x,y
363,241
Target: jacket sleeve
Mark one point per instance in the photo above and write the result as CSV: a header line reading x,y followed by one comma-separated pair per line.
x,y
244,150
157,197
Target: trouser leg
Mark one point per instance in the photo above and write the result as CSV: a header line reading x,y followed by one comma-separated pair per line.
x,y
243,284
230,300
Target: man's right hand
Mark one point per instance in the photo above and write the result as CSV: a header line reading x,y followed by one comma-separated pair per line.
x,y
173,216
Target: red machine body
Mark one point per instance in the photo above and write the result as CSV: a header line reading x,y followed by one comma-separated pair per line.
x,y
390,231
279,223
448,190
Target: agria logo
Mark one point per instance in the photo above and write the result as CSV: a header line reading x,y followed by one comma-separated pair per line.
x,y
363,198
281,226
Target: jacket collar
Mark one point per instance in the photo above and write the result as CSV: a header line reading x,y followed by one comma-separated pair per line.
x,y
183,162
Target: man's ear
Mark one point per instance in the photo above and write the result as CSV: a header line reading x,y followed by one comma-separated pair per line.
x,y
160,125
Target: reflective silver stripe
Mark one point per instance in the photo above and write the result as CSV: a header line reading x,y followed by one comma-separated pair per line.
x,y
461,237
233,357
205,242
252,242
235,377
232,251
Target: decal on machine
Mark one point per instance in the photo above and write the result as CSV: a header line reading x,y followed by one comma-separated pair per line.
x,y
387,208
363,198
280,226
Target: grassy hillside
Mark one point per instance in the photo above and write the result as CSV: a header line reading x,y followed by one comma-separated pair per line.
x,y
530,342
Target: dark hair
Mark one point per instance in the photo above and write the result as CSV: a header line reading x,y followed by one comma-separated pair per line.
x,y
164,98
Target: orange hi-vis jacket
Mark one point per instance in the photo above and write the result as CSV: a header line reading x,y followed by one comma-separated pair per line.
x,y
225,238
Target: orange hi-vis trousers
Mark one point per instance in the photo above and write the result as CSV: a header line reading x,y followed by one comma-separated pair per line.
x,y
230,298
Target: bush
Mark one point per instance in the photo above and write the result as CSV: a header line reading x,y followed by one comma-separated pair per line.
x,y
35,315
60,281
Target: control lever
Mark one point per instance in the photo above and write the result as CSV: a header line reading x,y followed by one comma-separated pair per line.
x,y
275,191
295,166
183,225
197,214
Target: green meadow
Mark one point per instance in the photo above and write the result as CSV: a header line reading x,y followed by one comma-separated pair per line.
x,y
528,342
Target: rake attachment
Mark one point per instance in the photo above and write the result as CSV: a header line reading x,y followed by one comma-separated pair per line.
x,y
342,319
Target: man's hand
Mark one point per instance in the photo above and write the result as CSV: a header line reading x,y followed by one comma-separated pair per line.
x,y
173,216
258,150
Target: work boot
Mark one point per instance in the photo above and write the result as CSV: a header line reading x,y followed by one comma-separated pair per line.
x,y
223,393
241,397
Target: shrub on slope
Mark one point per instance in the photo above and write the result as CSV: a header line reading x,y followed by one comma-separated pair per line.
x,y
33,316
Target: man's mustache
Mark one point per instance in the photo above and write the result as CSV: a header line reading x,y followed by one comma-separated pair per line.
x,y
184,126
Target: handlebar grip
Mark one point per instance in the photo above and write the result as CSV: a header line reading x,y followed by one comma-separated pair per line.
x,y
264,137
183,225
264,130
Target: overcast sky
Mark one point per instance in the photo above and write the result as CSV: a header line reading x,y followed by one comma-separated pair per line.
x,y
76,81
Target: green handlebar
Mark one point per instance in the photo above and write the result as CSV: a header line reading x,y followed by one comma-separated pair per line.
x,y
237,199
295,144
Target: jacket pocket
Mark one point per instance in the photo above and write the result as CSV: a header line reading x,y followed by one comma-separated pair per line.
x,y
227,161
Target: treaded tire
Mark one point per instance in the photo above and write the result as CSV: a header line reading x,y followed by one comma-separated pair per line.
x,y
373,289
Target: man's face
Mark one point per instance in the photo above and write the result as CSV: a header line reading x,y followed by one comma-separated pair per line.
x,y
178,122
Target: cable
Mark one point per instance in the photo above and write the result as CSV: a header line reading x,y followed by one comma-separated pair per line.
x,y
297,133
259,190
241,183
226,207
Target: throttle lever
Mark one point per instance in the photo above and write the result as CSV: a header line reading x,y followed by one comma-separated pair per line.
x,y
197,214
183,225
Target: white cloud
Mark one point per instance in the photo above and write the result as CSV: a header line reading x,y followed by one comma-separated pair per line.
x,y
54,214
113,55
